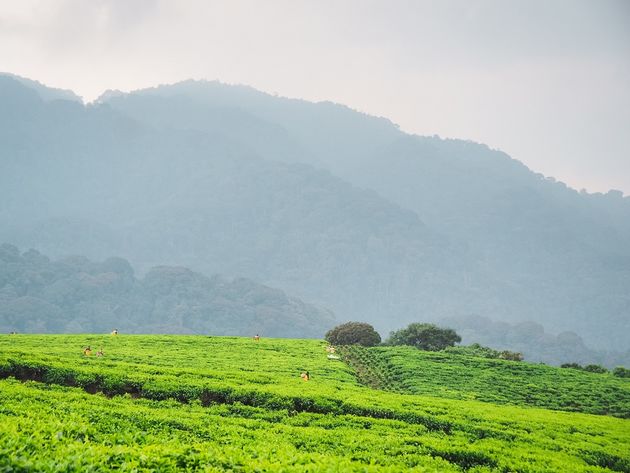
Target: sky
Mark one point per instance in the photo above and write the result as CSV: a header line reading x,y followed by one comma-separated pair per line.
x,y
547,81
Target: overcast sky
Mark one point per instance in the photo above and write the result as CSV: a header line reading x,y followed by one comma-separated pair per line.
x,y
547,81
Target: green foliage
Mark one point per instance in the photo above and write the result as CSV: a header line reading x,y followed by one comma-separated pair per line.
x,y
425,337
370,369
474,349
456,374
189,403
353,333
621,372
485,352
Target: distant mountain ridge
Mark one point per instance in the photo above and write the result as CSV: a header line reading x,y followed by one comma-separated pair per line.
x,y
394,229
44,92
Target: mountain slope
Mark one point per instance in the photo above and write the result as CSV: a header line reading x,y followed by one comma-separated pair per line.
x,y
98,182
228,179
563,257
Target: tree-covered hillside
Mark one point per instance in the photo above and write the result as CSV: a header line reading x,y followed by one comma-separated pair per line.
x,y
98,183
329,204
75,294
559,250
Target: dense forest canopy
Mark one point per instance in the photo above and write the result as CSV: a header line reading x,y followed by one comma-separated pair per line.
x,y
77,295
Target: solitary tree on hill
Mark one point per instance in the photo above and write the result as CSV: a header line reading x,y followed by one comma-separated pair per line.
x,y
353,333
425,337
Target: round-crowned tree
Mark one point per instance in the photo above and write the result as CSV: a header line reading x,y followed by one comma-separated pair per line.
x,y
353,333
425,337
621,372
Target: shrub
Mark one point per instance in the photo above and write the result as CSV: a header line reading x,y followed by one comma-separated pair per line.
x,y
621,372
575,366
425,337
595,369
511,355
353,333
474,350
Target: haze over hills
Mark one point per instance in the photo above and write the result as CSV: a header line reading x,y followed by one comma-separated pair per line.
x,y
337,207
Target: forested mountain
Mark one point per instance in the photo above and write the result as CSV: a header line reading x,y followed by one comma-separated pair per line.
x,y
77,295
335,206
564,255
98,183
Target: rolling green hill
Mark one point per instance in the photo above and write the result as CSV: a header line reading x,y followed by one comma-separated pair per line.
x,y
192,403
460,376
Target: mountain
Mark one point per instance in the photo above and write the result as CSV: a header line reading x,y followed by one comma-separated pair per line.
x,y
101,183
565,255
530,339
44,92
77,295
332,205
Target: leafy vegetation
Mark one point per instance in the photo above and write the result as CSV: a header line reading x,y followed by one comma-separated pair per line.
x,y
193,403
425,337
593,368
353,333
485,352
370,369
455,374
621,372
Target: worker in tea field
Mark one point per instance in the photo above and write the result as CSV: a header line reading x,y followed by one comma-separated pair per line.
x,y
305,376
115,332
87,351
257,338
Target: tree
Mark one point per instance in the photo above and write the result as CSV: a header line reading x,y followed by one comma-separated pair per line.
x,y
425,337
621,372
595,369
353,333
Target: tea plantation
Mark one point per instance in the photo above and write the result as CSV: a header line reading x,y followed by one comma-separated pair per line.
x,y
454,376
184,403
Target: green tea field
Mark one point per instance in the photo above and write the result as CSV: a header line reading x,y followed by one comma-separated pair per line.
x,y
453,376
194,403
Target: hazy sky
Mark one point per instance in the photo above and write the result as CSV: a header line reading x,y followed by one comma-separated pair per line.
x,y
546,81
